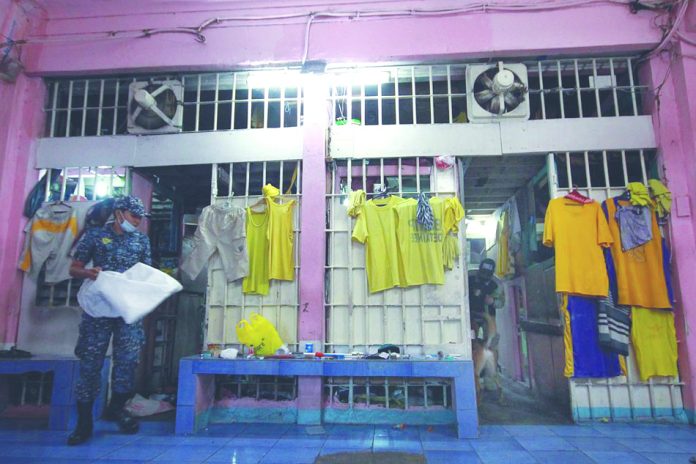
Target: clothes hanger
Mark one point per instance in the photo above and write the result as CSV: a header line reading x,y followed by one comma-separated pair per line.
x,y
578,197
260,202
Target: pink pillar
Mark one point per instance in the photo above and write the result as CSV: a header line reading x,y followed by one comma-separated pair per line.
x,y
674,121
21,122
312,239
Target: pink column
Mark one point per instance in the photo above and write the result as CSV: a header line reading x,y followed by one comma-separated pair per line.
x,y
21,122
674,120
312,239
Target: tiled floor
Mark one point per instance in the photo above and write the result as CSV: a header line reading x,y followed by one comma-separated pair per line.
x,y
291,444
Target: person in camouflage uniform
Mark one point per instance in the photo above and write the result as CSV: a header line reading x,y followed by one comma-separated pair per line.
x,y
115,247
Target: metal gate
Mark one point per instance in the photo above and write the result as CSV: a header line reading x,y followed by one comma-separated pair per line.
x,y
601,175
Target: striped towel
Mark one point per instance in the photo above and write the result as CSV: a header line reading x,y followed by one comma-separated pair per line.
x,y
424,214
614,325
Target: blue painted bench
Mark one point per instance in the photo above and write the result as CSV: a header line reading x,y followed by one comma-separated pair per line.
x,y
197,384
62,415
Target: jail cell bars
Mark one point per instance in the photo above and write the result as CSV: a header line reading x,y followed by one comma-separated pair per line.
x,y
387,392
83,107
241,184
77,184
258,387
420,319
436,94
601,175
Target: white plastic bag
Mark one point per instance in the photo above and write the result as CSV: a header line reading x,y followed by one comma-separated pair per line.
x,y
131,295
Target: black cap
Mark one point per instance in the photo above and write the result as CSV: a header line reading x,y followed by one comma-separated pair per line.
x,y
487,267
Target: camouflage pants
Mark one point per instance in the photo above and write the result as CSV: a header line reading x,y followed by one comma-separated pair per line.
x,y
95,333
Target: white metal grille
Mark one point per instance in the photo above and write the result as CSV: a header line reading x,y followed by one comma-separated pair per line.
x,y
388,392
558,89
77,184
212,102
601,175
241,184
419,319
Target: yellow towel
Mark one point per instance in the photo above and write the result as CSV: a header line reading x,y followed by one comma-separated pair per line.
x,y
640,195
662,197
356,200
269,191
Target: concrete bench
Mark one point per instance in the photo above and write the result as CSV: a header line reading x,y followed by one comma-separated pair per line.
x,y
65,370
197,384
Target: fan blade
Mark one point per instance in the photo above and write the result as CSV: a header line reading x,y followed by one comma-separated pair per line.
x,y
484,96
164,117
494,106
159,90
486,81
136,113
501,103
511,100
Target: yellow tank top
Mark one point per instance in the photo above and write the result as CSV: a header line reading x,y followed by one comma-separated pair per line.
x,y
257,246
281,259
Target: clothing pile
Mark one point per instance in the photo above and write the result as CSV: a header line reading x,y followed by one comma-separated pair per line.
x,y
612,269
408,241
255,243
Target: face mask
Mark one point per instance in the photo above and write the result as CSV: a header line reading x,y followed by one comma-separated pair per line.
x,y
126,226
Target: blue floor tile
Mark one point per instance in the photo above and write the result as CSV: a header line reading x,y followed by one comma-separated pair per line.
x,y
545,444
452,457
668,458
573,430
354,443
181,453
135,451
506,457
300,442
117,461
451,445
617,457
159,440
562,457
493,431
325,451
256,442
285,456
198,440
238,455
5,460
686,446
647,445
529,431
621,431
597,443
389,444
222,430
496,444
41,453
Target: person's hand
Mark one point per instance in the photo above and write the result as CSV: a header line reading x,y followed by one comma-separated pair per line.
x,y
92,273
489,299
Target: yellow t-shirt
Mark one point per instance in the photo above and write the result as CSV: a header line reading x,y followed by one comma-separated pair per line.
x,y
281,259
654,339
256,282
578,232
640,276
421,250
376,227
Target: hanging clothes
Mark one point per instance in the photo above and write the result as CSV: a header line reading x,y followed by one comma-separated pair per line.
x,y
258,245
638,275
655,342
424,215
49,238
583,355
221,230
356,200
376,227
503,236
635,226
420,249
662,198
281,236
578,232
614,325
639,194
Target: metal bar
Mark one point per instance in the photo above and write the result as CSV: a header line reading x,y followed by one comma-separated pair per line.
x,y
449,94
613,87
560,88
570,175
101,104
69,116
217,98
633,89
379,104
282,109
115,125
396,95
96,180
642,167
53,108
213,183
64,183
594,74
362,103
249,102
198,102
432,99
230,181
587,173
625,169
265,106
233,99
541,93
47,189
80,185
84,109
577,87
263,175
413,92
606,173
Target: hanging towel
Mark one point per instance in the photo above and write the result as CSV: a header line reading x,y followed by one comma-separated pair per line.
x,y
356,200
639,194
635,226
662,197
424,214
614,324
270,191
